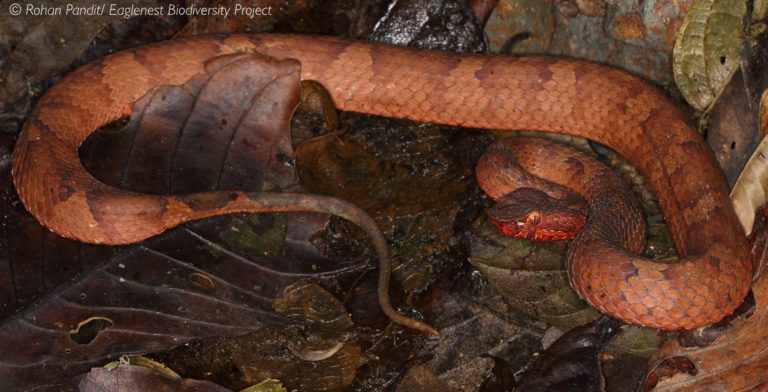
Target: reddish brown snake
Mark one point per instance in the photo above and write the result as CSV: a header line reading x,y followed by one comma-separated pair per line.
x,y
497,92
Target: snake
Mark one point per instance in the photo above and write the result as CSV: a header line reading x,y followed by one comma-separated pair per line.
x,y
509,93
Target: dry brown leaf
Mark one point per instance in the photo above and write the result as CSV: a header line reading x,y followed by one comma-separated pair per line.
x,y
732,132
738,360
751,188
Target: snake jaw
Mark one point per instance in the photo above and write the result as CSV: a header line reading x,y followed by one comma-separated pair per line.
x,y
537,226
525,227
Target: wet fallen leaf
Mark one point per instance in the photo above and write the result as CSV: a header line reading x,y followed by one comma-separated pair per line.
x,y
530,276
199,280
378,178
749,191
733,127
130,378
320,311
706,52
217,121
37,46
319,351
572,362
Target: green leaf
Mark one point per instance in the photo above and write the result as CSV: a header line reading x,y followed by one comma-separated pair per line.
x,y
530,276
268,385
706,51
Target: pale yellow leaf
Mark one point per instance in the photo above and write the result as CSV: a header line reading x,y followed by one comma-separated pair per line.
x,y
706,51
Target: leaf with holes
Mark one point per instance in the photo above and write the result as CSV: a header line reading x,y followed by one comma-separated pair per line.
x,y
706,52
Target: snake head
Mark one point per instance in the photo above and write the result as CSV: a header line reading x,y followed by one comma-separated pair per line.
x,y
521,226
534,215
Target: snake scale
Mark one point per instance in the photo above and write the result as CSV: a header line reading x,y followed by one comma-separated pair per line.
x,y
495,92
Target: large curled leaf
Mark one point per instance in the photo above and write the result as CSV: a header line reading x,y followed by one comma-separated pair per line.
x,y
572,362
199,281
706,51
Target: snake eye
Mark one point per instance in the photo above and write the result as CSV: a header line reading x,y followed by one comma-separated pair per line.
x,y
534,218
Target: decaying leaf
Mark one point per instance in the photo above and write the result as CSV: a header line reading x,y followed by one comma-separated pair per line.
x,y
737,360
128,378
196,282
389,178
706,51
140,360
420,378
638,341
572,362
319,351
40,45
268,385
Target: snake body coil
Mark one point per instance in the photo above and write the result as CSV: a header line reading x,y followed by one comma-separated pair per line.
x,y
497,92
